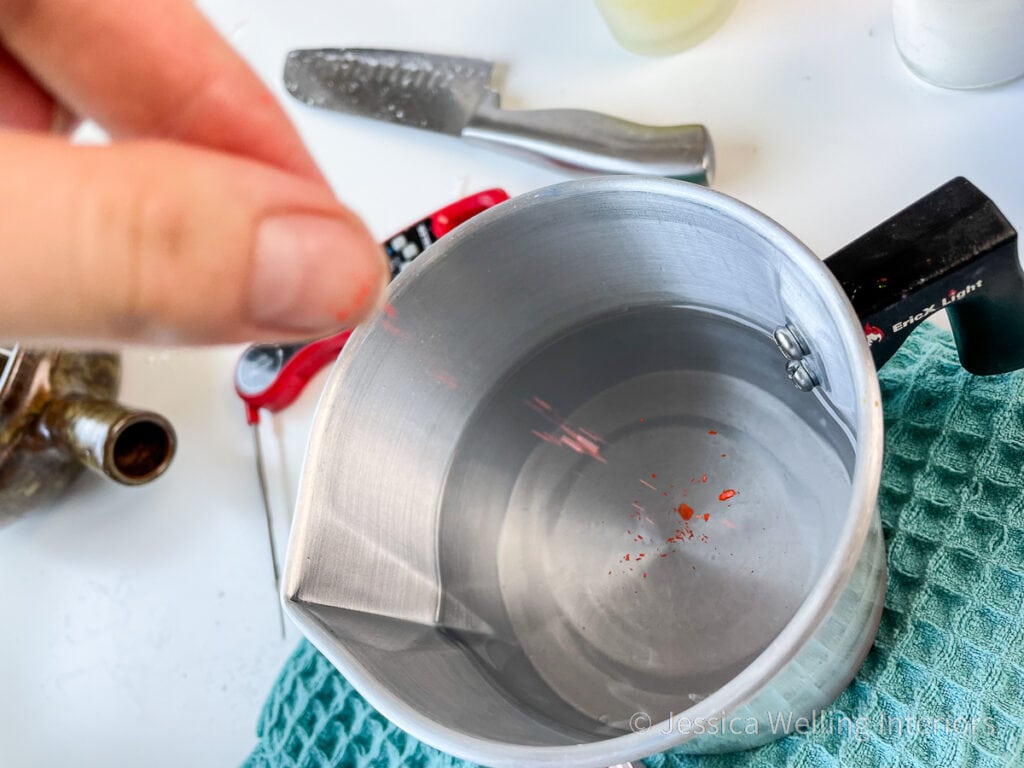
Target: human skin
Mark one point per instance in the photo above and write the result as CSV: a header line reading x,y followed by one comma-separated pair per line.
x,y
205,220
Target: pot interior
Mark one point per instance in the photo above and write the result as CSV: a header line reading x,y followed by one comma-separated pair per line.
x,y
567,478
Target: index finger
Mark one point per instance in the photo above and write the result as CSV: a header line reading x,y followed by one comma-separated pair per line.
x,y
152,69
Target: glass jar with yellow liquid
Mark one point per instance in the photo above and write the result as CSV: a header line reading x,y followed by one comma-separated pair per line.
x,y
663,27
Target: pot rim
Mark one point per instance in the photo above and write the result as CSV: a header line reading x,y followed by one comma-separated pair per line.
x,y
814,610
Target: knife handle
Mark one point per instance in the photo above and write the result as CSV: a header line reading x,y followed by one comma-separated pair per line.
x,y
590,141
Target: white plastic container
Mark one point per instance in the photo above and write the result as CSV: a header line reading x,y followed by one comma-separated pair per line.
x,y
961,43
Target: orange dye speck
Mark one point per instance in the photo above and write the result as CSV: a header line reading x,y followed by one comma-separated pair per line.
x,y
641,421
727,494
627,557
654,476
706,517
391,328
685,511
712,432
704,478
446,379
543,405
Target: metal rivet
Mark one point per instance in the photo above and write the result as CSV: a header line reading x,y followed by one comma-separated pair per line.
x,y
801,375
790,342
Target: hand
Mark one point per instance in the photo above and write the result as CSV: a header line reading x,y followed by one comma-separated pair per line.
x,y
205,221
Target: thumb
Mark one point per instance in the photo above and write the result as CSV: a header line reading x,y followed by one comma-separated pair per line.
x,y
164,243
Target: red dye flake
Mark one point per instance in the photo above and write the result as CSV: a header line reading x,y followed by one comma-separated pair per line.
x,y
706,517
391,328
584,445
546,437
641,556
641,421
663,554
685,511
727,494
580,440
712,432
704,478
654,476
723,455
645,574
627,557
446,379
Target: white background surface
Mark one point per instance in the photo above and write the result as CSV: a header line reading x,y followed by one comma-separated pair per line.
x,y
139,626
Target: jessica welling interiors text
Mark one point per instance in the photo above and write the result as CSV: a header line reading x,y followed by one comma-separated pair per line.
x,y
823,722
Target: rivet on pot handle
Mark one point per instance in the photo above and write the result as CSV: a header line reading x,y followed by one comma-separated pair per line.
x,y
951,250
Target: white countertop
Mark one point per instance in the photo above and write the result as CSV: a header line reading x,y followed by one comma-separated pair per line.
x,y
139,626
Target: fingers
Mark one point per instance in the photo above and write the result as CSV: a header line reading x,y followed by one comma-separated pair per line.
x,y
155,241
162,243
152,69
23,103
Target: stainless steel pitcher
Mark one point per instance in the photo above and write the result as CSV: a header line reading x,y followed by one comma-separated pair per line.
x,y
602,481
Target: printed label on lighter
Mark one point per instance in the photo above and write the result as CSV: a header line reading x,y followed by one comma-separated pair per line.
x,y
950,298
424,232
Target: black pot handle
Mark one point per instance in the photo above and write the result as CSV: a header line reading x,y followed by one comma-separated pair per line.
x,y
951,250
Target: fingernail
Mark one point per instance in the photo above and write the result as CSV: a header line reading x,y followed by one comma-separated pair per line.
x,y
309,271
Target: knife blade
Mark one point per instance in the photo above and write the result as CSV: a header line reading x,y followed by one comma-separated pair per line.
x,y
453,95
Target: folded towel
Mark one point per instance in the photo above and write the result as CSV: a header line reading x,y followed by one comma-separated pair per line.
x,y
943,685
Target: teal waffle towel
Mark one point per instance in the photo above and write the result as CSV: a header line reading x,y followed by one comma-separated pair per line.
x,y
943,685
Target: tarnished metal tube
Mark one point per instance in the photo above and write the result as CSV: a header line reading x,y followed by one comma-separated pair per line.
x,y
129,446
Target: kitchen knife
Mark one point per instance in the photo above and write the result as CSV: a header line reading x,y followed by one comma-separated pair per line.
x,y
454,96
